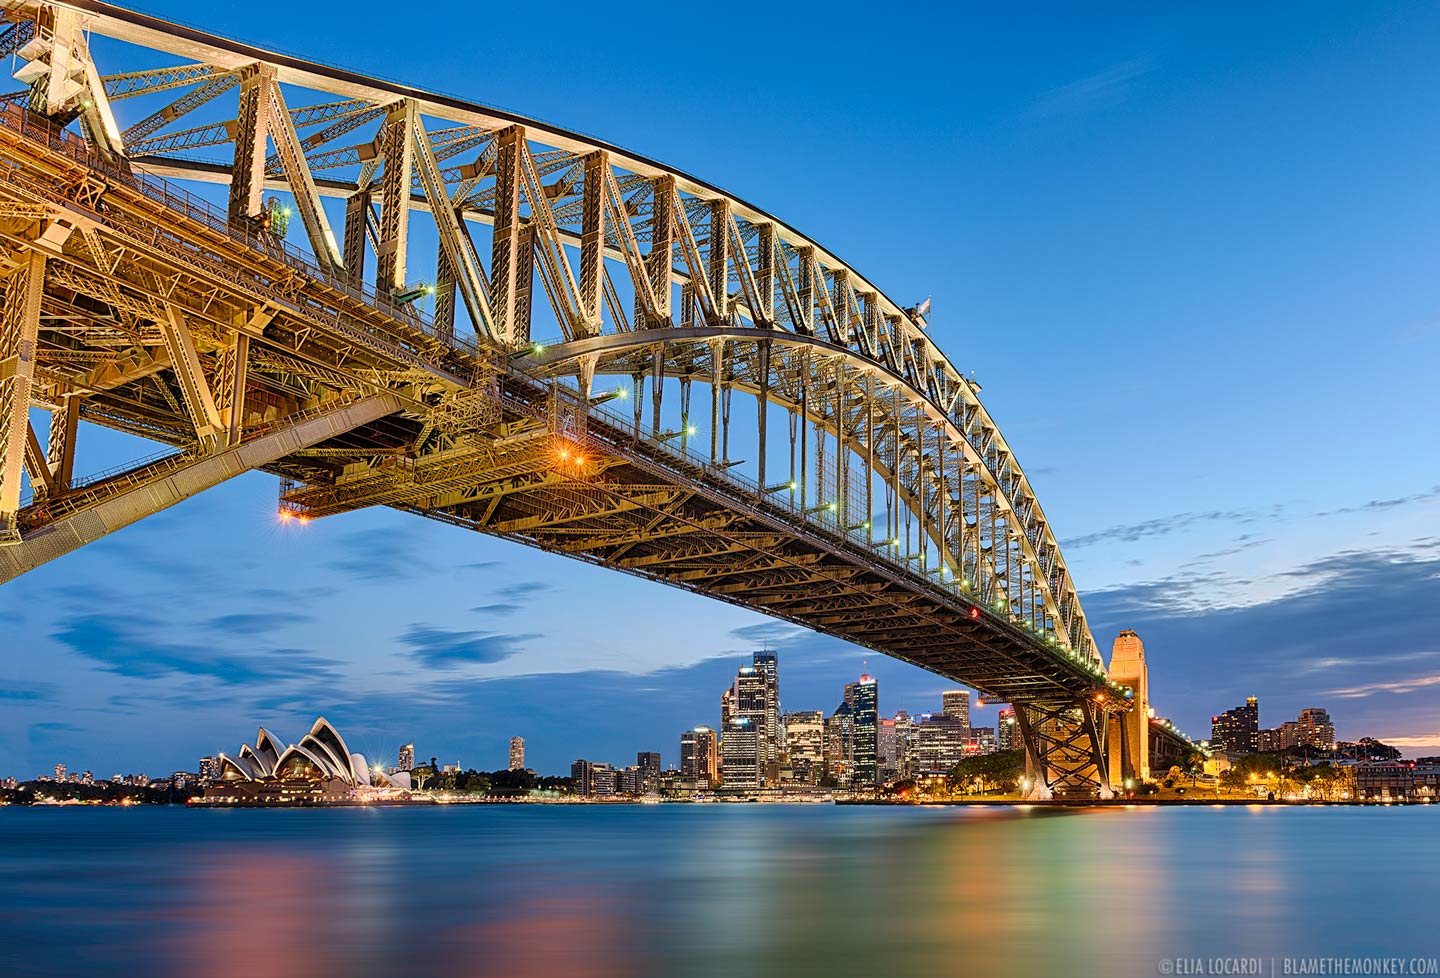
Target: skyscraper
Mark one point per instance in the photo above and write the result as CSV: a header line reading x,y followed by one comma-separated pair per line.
x,y
1238,730
956,703
517,753
838,743
904,744
649,764
406,758
887,748
60,772
740,755
1005,729
805,745
700,757
864,698
751,701
766,663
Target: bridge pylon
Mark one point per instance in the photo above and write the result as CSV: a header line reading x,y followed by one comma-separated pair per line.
x,y
1065,748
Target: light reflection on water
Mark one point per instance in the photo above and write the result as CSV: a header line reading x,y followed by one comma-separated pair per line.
x,y
707,890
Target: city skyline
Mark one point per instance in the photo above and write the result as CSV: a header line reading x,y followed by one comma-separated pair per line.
x,y
1303,577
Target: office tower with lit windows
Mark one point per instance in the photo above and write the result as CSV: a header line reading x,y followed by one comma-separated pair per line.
x,y
700,757
1005,730
1238,731
766,663
741,756
751,696
649,764
863,696
956,703
981,740
517,753
406,760
805,745
839,728
940,742
904,743
886,749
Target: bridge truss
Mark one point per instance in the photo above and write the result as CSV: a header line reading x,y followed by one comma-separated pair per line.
x,y
856,485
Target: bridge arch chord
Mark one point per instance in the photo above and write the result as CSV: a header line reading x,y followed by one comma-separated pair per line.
x,y
630,253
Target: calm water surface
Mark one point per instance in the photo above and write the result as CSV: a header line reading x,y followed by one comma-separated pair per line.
x,y
737,891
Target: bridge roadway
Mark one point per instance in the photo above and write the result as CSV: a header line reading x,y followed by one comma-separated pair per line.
x,y
132,304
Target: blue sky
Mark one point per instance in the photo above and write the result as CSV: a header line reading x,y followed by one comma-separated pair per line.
x,y
1189,254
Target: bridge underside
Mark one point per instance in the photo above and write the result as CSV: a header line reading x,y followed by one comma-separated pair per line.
x,y
132,305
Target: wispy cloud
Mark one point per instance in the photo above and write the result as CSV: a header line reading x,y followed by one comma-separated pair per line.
x,y
1107,87
255,623
1164,525
375,556
130,646
1397,686
442,648
1376,505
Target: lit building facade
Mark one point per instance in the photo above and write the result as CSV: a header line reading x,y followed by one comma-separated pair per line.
x,y
1005,730
940,743
405,761
956,703
766,663
864,699
1238,731
700,757
805,745
741,756
517,753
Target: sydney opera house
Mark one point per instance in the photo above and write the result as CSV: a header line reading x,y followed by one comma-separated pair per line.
x,y
319,769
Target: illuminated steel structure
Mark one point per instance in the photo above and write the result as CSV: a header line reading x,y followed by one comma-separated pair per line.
x,y
182,316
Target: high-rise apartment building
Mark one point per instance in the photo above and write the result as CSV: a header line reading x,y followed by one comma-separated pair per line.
x,y
1238,730
594,779
60,770
517,753
406,760
1317,730
700,757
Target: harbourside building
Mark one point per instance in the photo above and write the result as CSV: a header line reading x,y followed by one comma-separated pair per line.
x,y
319,769
1237,731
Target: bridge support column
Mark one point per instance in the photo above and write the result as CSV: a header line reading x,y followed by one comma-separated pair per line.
x,y
19,335
1064,749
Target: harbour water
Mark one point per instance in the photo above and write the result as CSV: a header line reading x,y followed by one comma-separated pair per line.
x,y
737,891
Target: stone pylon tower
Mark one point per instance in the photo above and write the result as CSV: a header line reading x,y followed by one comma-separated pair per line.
x,y
1130,732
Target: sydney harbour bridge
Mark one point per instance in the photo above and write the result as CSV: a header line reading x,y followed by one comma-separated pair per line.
x,y
596,355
